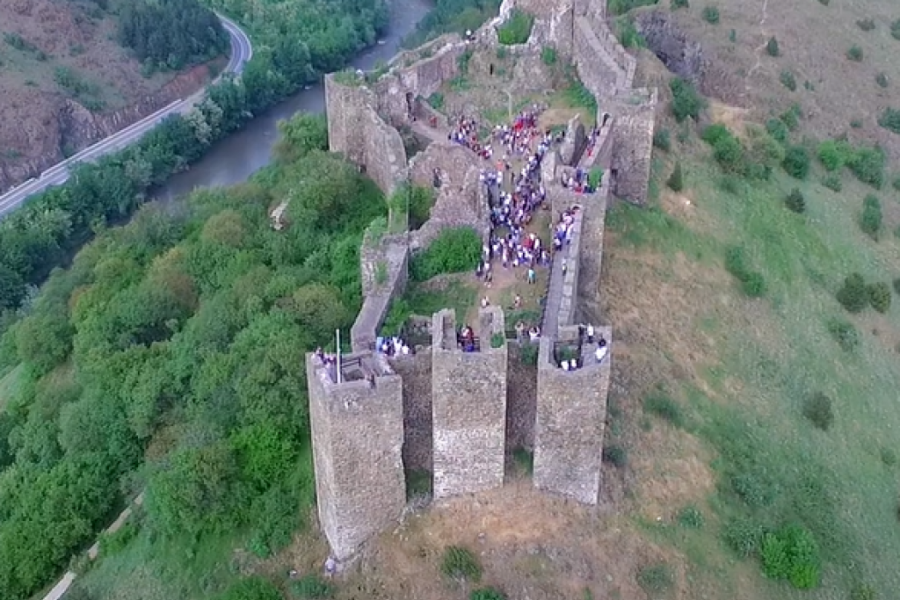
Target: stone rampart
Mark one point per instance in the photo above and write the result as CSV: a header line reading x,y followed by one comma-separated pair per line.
x,y
469,406
635,121
356,421
597,68
569,427
356,130
384,267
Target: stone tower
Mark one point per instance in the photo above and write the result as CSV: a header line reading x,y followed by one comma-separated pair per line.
x,y
571,412
469,405
357,438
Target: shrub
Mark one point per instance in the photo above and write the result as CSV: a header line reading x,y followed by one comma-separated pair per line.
x,y
817,408
676,4
690,517
548,55
732,36
853,295
460,563
882,80
897,285
890,119
868,165
620,7
711,15
743,536
888,457
772,47
895,183
615,455
856,123
516,29
866,24
528,354
665,408
727,149
796,162
824,2
833,182
862,592
791,553
497,340
312,586
676,179
436,100
795,201
252,588
879,296
655,578
895,29
833,154
487,593
871,217
791,117
662,141
453,251
855,53
628,34
686,102
753,284
844,333
788,80
778,130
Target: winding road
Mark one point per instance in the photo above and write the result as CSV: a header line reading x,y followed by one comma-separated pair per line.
x,y
241,53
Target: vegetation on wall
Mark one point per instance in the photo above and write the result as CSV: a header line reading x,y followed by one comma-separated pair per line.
x,y
182,331
450,16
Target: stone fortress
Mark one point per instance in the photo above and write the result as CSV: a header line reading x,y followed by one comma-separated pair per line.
x,y
458,415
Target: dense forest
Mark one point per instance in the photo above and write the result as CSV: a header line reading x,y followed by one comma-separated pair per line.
x,y
171,34
179,340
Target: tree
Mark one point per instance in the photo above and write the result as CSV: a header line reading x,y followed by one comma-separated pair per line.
x,y
44,340
676,179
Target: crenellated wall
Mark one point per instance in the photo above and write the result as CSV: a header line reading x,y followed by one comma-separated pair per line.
x,y
357,440
468,406
635,121
384,268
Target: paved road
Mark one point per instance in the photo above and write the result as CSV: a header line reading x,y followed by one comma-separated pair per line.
x,y
241,52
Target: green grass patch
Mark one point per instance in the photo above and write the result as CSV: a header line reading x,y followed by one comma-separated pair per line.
x,y
516,29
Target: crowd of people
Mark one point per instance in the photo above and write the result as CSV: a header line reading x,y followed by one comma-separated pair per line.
x,y
586,337
392,346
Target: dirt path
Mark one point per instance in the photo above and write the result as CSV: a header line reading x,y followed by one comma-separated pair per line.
x,y
759,50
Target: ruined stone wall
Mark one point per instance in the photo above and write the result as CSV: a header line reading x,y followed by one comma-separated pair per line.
x,y
603,64
384,267
635,114
521,402
356,130
469,407
415,370
569,428
357,440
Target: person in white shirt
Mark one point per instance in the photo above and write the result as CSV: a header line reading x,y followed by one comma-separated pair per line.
x,y
602,350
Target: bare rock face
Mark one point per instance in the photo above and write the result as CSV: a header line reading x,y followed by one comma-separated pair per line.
x,y
688,59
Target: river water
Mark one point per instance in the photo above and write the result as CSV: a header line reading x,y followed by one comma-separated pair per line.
x,y
238,156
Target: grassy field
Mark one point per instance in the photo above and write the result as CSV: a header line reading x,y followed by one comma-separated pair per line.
x,y
736,373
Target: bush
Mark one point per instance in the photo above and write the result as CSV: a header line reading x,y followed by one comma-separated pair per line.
x,y
460,564
871,217
866,24
620,7
528,354
686,101
796,162
795,201
888,457
664,408
890,119
855,53
754,284
252,588
868,165
895,183
312,586
788,80
628,34
833,182
844,333
711,15
549,56
655,578
879,296
853,295
743,536
778,130
453,251
487,593
615,455
895,29
516,29
833,154
897,285
497,340
791,117
862,592
817,408
662,140
772,47
882,80
791,553
676,179
690,517
856,123
676,4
